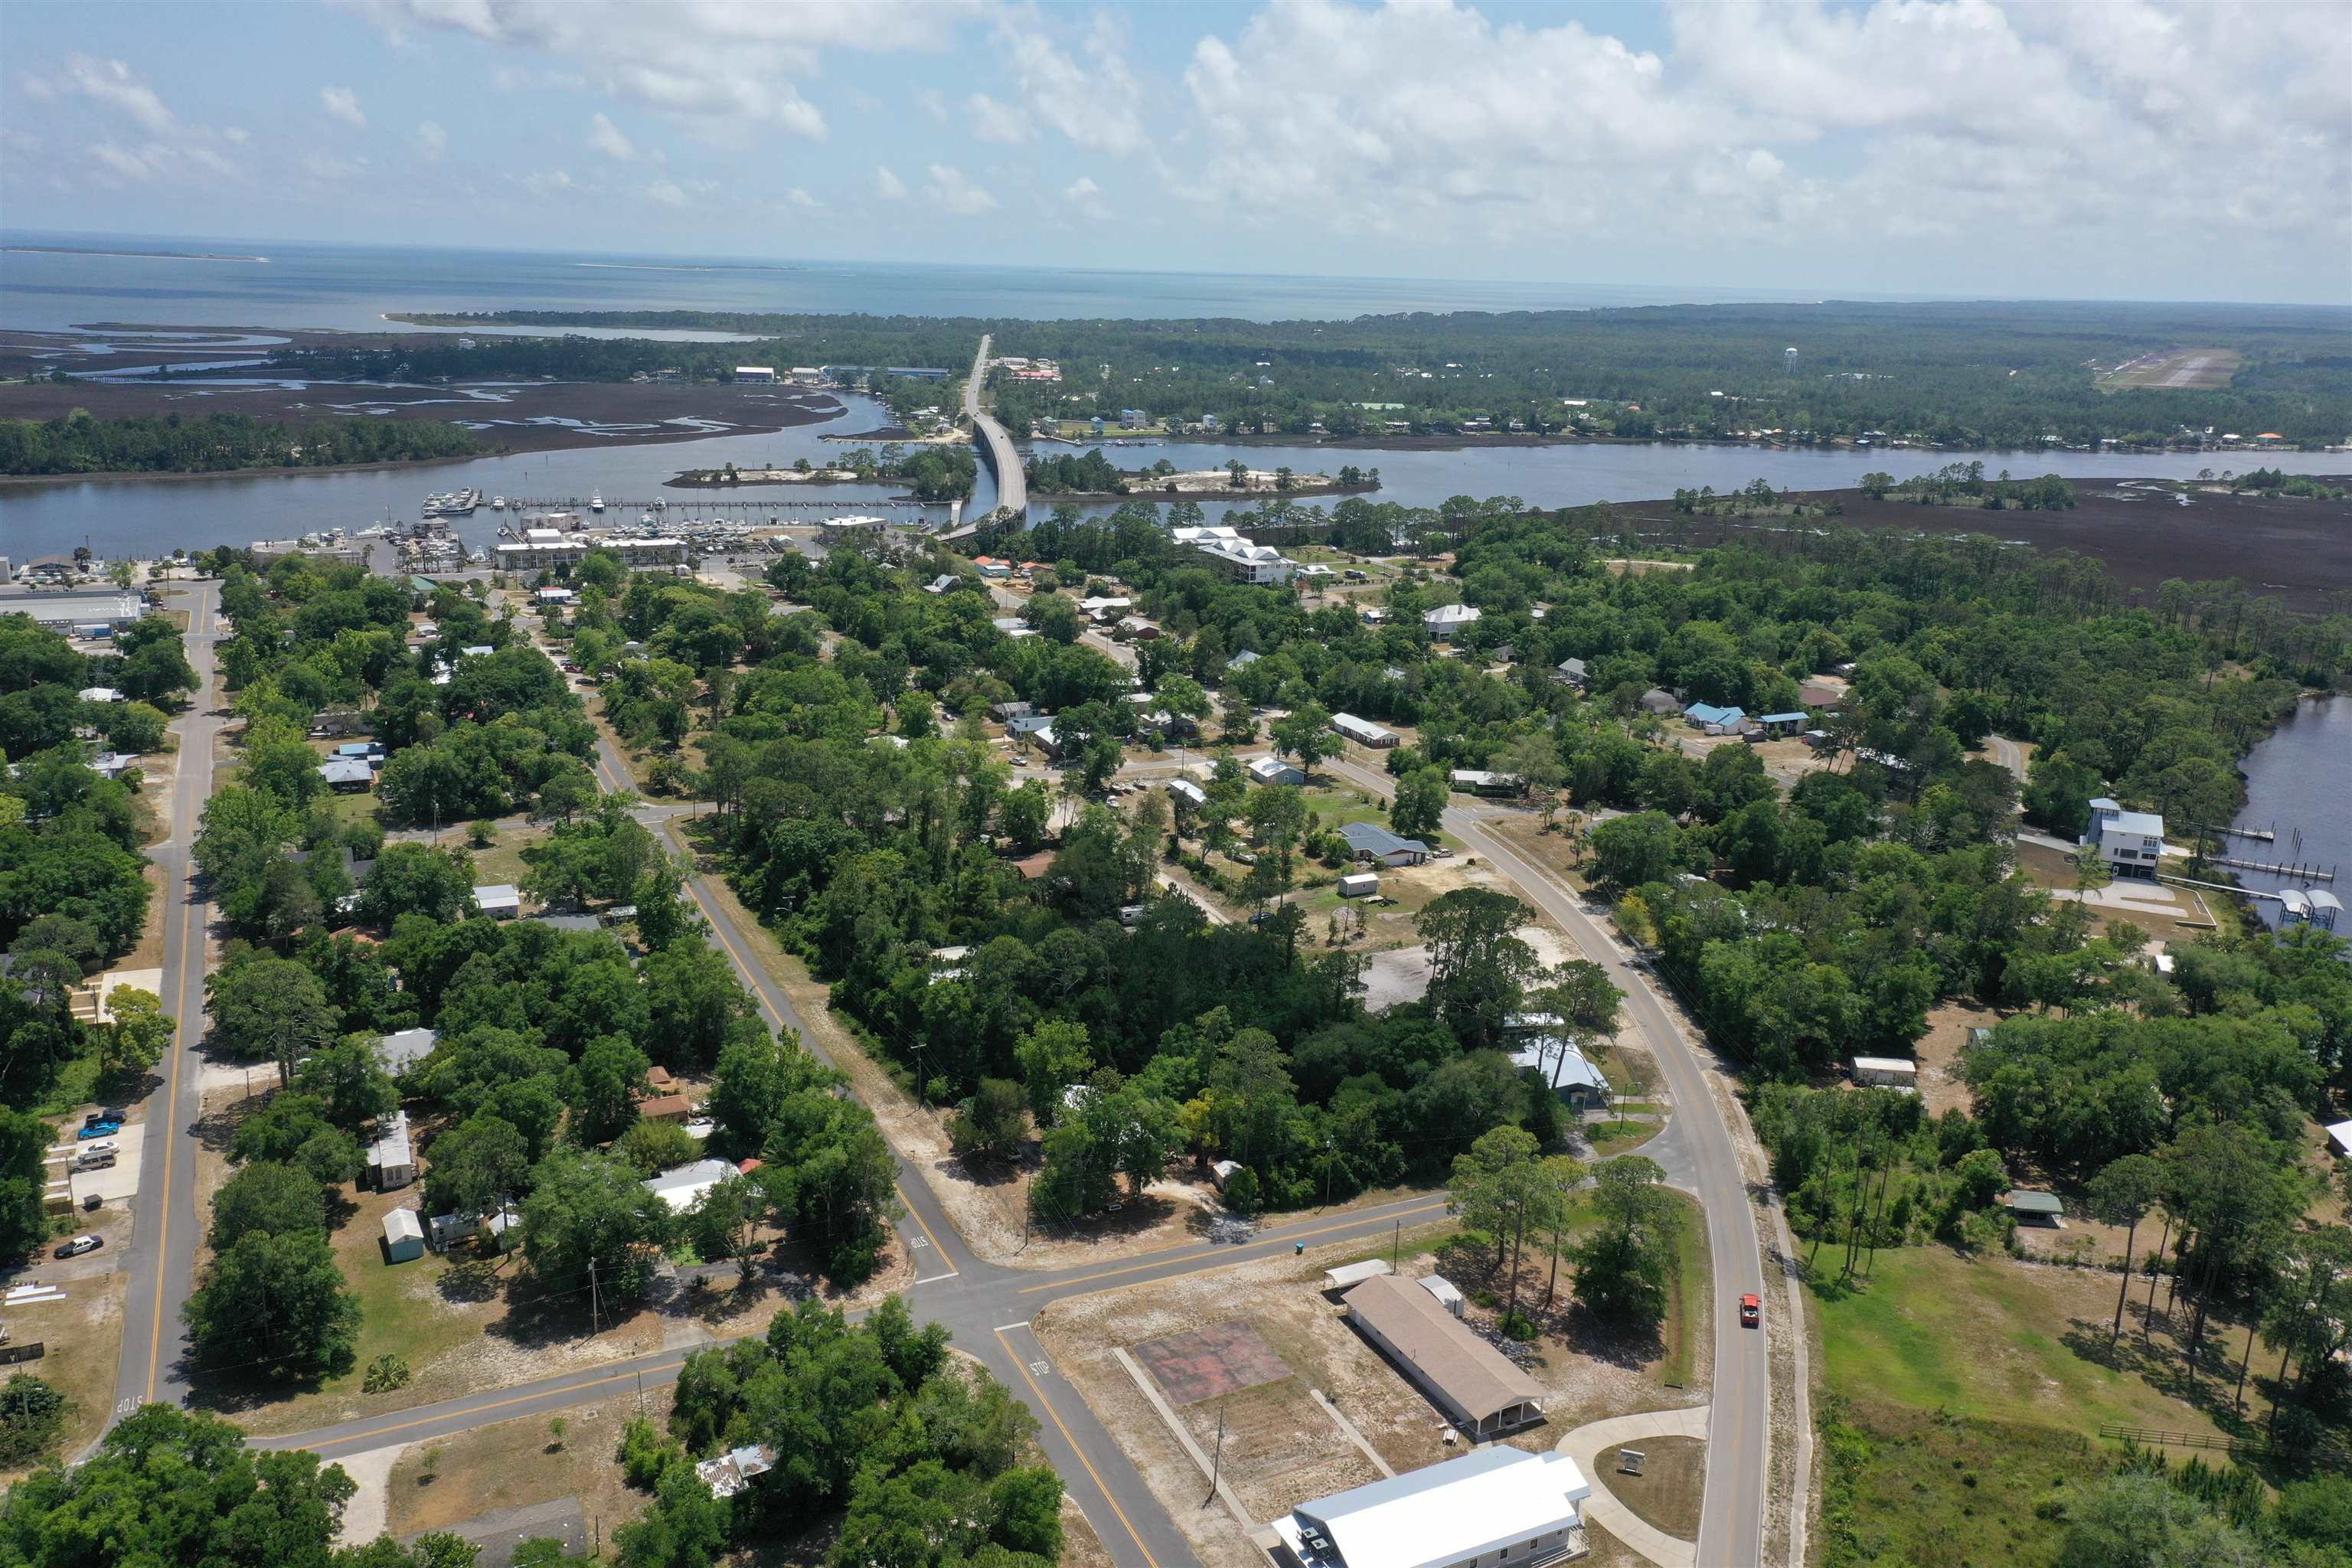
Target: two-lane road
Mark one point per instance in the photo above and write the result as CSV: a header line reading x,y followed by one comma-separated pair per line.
x,y
1739,1449
161,1264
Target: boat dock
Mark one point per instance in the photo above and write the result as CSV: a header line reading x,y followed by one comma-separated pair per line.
x,y
573,504
2296,872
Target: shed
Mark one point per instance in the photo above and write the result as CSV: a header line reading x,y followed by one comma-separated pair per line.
x,y
1784,723
391,1158
2027,1203
1221,1171
1359,885
1885,1072
1188,790
1466,1377
404,1239
1352,1274
1443,1292
2339,1140
101,694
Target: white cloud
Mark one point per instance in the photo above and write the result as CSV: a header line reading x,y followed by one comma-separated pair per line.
x,y
800,197
1087,198
668,193
1815,127
114,84
888,185
933,102
122,161
431,139
992,121
329,169
723,62
949,190
1093,102
545,182
606,138
236,134
343,104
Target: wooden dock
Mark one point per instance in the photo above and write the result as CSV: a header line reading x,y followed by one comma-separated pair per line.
x,y
2295,873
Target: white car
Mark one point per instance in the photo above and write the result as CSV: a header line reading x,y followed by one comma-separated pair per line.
x,y
101,1146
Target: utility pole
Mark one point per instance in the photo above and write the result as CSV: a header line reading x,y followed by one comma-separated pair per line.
x,y
595,1318
1396,1240
1216,1466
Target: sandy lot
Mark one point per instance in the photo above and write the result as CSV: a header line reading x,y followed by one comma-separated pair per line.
x,y
1281,1447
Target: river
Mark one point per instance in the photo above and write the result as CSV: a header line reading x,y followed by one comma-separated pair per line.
x,y
2298,783
148,517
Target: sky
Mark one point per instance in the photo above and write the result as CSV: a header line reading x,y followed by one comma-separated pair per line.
x,y
2105,149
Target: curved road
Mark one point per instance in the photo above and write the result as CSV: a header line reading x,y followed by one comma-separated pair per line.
x,y
1739,1450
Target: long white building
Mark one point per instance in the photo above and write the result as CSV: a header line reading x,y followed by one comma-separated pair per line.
x,y
1498,1505
1236,558
571,549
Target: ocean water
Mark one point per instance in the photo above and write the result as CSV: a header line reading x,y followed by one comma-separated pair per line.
x,y
351,287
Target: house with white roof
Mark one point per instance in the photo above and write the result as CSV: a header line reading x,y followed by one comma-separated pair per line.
x,y
1496,1505
2130,842
1445,620
682,1187
1236,558
1274,770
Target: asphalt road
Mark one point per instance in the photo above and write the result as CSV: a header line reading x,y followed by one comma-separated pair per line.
x,y
1731,1516
161,1260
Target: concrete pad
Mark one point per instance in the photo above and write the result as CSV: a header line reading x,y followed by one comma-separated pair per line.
x,y
116,1185
365,1515
113,979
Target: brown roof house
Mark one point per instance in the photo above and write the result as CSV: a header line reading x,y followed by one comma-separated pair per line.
x,y
1479,1391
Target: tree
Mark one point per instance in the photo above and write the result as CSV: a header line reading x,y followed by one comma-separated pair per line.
x,y
1307,734
417,879
2092,871
276,1303
348,1080
1633,851
270,1009
265,1199
589,1211
1053,1056
135,1036
1479,969
992,1124
168,1485
2122,1195
724,1222
32,1415
1023,814
1419,805
1534,760
611,1078
1624,1267
476,1166
1501,1187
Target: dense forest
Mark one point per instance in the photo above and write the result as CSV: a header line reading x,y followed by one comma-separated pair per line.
x,y
79,443
1975,375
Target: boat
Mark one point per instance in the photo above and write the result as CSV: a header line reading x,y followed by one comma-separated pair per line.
x,y
497,503
596,503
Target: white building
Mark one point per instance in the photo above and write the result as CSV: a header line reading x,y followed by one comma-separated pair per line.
x,y
108,609
1363,732
755,373
683,1187
1237,560
1885,1072
1445,620
1274,770
2130,842
570,550
1495,1506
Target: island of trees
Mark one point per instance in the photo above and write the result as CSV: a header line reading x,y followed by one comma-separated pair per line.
x,y
79,443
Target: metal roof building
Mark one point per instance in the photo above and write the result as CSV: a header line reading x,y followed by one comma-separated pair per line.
x,y
1464,1376
1487,1507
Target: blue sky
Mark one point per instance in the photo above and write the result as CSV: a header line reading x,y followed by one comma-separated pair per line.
x,y
2123,149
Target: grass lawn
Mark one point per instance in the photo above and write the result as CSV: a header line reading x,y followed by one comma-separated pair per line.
x,y
502,861
1994,1339
1965,1401
1667,1492
1335,808
83,1336
1689,1292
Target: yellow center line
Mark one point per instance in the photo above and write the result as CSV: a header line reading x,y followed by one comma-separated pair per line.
x,y
372,1434
777,1019
188,907
1235,1255
1022,1367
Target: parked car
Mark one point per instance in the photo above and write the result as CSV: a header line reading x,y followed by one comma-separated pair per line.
x,y
86,1161
1751,1312
104,1146
98,1129
79,1244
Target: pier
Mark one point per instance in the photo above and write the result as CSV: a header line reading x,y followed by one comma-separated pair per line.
x,y
2294,873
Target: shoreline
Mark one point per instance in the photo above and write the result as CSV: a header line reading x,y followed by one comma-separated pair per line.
x,y
117,476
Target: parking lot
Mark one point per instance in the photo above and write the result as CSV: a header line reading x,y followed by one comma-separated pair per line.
x,y
115,1184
